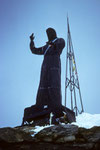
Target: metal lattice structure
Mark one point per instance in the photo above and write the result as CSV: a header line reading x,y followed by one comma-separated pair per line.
x,y
72,82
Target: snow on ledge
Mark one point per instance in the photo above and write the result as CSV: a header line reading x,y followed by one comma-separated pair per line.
x,y
87,120
84,120
38,129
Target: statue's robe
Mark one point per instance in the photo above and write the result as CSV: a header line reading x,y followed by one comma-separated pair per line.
x,y
49,91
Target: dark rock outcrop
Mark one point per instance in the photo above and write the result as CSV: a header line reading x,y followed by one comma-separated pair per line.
x,y
59,137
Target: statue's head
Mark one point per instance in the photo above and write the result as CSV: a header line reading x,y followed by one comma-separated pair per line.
x,y
51,33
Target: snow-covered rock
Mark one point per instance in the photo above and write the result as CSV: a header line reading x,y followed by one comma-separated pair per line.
x,y
87,120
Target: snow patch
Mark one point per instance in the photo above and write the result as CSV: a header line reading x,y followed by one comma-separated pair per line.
x,y
38,129
87,120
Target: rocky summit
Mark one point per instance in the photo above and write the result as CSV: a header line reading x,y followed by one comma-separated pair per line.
x,y
58,137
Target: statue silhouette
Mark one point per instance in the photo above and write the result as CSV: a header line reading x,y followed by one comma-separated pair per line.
x,y
49,91
49,97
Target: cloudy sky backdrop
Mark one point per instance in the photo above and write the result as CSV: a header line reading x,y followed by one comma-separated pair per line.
x,y
20,69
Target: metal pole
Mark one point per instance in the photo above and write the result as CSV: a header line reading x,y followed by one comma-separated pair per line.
x,y
66,65
72,81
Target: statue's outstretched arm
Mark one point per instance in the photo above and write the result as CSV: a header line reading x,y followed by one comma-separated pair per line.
x,y
34,50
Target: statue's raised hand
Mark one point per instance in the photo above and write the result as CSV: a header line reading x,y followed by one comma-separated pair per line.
x,y
32,37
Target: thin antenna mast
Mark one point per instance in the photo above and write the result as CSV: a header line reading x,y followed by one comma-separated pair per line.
x,y
71,80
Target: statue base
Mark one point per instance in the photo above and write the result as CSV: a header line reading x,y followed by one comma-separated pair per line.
x,y
37,116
